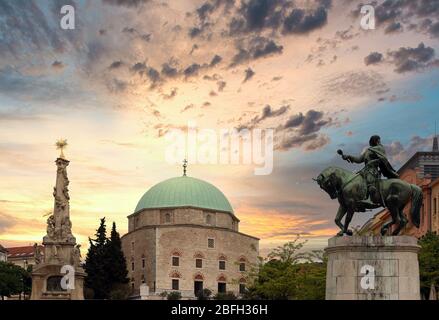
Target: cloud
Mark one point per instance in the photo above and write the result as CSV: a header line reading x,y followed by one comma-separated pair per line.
x,y
221,85
373,58
116,85
249,73
57,65
398,154
301,22
354,83
267,113
126,3
413,59
302,131
6,221
116,65
255,48
257,15
171,95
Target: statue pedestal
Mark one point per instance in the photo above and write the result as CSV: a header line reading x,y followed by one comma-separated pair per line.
x,y
43,288
372,268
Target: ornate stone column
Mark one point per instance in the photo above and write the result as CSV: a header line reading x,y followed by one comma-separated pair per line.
x,y
61,254
373,268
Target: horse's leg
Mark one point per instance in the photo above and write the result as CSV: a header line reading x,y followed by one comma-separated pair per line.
x,y
402,221
392,206
347,221
340,214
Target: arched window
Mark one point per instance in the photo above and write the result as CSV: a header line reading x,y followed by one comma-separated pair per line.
x,y
209,219
167,217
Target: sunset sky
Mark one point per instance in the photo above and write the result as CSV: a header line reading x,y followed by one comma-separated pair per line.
x,y
133,69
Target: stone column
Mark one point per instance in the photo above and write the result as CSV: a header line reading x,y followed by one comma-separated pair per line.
x,y
373,268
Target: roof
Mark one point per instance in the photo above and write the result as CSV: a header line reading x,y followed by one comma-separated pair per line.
x,y
21,252
3,249
435,182
184,192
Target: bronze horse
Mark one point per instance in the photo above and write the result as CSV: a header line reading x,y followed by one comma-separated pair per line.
x,y
350,189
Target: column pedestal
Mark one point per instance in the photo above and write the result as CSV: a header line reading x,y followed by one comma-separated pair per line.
x,y
373,268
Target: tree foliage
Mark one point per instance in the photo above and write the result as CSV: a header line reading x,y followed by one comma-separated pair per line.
x,y
105,265
14,280
288,274
429,262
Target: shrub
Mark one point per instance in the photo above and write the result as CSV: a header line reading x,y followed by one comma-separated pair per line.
x,y
174,295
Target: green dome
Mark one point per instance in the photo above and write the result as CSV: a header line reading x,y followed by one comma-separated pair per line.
x,y
184,192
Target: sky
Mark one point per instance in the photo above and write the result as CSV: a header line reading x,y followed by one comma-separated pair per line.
x,y
132,70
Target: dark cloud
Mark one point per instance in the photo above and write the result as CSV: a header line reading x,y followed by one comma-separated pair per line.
x,y
116,65
267,113
188,107
116,85
301,22
221,85
57,65
249,74
413,59
394,27
307,124
215,60
169,71
126,3
302,131
373,58
256,48
192,70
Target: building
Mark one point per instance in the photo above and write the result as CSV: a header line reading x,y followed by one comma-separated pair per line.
x,y
23,256
184,236
435,206
421,169
3,254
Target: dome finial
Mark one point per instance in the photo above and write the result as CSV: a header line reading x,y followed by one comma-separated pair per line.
x,y
184,167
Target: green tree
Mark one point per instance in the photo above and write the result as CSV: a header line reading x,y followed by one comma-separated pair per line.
x,y
13,280
429,262
117,270
288,273
106,266
96,264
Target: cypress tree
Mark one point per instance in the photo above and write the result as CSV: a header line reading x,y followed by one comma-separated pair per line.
x,y
96,264
117,271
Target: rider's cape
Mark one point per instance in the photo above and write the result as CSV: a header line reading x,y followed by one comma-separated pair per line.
x,y
384,164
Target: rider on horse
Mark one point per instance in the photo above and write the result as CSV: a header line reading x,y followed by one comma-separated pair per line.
x,y
376,163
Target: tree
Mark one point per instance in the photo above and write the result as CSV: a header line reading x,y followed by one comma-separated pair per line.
x,y
96,264
429,262
13,280
288,274
106,266
117,270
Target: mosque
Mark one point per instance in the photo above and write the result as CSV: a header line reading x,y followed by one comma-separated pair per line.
x,y
184,236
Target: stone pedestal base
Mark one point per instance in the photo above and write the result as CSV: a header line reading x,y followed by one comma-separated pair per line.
x,y
41,290
372,268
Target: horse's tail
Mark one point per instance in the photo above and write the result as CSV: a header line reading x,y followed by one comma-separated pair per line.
x,y
417,198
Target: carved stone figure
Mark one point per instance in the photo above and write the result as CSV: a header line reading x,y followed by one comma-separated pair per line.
x,y
51,227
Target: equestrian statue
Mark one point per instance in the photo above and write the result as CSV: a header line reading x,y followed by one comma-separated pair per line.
x,y
365,190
